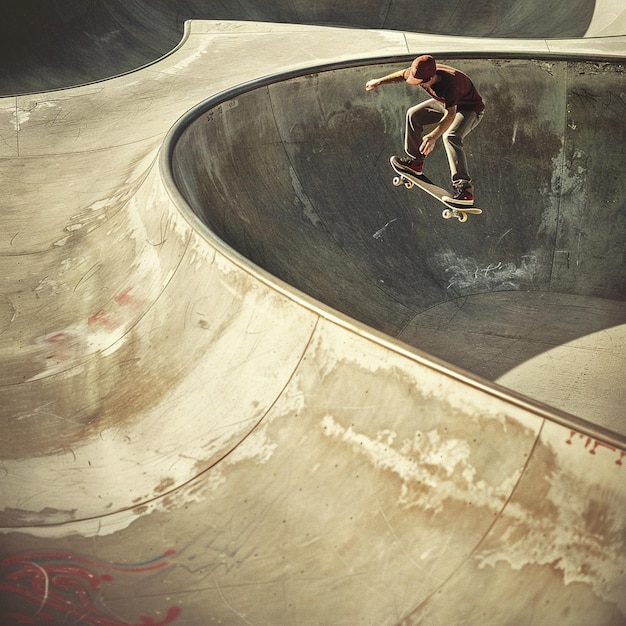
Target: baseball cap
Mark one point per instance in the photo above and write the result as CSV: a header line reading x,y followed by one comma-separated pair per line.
x,y
424,67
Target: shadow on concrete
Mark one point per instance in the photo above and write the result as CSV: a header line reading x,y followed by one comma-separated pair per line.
x,y
52,44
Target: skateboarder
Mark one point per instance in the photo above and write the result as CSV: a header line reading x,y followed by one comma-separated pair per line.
x,y
454,109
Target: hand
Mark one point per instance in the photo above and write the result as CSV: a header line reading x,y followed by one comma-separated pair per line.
x,y
370,85
428,145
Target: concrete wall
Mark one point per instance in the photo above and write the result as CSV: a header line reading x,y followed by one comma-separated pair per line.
x,y
49,44
295,176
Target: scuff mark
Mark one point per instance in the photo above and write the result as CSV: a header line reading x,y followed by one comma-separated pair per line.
x,y
307,206
466,273
379,233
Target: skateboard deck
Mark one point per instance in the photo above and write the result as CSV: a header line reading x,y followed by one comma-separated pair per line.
x,y
460,212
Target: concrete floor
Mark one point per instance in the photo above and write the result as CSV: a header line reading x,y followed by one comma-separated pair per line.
x,y
229,424
564,350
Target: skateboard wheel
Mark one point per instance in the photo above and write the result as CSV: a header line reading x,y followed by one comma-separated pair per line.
x,y
462,217
408,184
446,214
397,181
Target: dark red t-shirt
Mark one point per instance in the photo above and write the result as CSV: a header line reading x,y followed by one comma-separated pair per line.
x,y
454,87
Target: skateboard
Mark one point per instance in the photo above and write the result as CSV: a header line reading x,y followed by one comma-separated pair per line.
x,y
460,212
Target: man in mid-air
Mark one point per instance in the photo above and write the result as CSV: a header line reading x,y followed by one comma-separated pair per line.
x,y
455,108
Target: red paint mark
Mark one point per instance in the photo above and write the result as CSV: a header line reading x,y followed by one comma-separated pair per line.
x,y
103,320
60,586
95,319
98,319
594,444
57,338
111,321
125,299
62,342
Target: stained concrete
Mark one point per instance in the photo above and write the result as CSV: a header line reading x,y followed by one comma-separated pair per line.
x,y
303,189
188,438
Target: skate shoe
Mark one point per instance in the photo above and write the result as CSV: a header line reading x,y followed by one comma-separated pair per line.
x,y
463,195
409,165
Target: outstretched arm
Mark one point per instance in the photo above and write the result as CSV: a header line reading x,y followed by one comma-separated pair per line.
x,y
395,77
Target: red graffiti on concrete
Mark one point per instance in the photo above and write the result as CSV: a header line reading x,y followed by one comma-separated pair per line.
x,y
59,586
594,444
113,319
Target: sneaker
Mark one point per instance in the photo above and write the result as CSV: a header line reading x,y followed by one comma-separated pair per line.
x,y
409,164
463,195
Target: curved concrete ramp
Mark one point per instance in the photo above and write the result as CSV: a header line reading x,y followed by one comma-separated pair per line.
x,y
48,44
186,439
295,176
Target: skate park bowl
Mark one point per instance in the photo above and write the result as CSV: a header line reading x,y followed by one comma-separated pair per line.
x,y
303,189
51,44
247,380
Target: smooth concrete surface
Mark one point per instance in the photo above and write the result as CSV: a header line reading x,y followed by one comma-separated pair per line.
x,y
187,439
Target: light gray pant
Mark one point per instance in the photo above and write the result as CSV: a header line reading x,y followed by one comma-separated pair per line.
x,y
429,113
